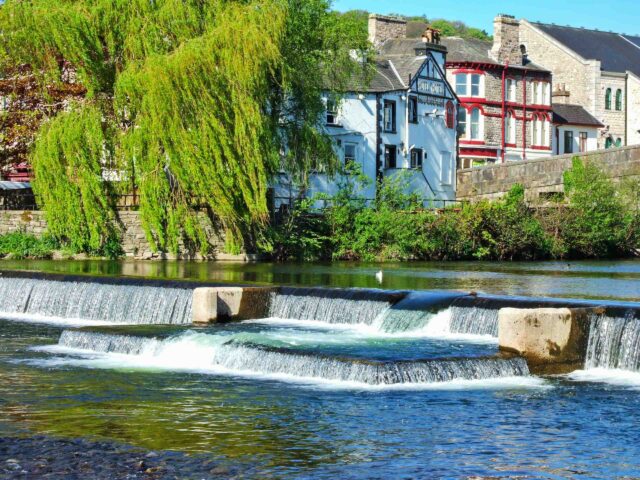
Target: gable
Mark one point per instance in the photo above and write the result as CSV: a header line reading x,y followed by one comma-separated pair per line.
x,y
430,80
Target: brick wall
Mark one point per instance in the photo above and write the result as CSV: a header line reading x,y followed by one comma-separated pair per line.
x,y
134,240
542,175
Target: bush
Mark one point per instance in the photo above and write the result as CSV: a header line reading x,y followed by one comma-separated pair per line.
x,y
596,224
21,245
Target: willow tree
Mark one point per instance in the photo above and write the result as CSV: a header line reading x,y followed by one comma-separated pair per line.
x,y
197,102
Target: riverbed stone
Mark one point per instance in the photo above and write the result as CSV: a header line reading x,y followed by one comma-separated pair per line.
x,y
552,340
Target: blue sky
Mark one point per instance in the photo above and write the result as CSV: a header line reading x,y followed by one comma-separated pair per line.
x,y
621,16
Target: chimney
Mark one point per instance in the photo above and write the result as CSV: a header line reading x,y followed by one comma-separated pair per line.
x,y
431,35
560,95
383,28
506,40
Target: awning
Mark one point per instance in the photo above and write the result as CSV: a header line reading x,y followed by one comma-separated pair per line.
x,y
14,185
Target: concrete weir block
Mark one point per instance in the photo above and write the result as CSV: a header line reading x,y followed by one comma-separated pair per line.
x,y
211,304
552,340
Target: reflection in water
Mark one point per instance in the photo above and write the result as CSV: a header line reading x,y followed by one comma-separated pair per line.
x,y
612,280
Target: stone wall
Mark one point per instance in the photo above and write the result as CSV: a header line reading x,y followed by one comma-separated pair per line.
x,y
542,175
134,240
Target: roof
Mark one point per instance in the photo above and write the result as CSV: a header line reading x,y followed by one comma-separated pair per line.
x,y
616,52
573,115
407,46
477,51
390,74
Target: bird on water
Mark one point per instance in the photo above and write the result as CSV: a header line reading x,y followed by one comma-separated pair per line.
x,y
379,276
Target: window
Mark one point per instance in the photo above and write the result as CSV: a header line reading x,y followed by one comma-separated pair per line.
x,y
450,117
608,143
545,133
607,100
350,158
535,131
568,141
619,100
332,112
475,85
413,109
510,129
475,124
445,170
389,116
534,93
462,122
618,142
510,93
461,84
389,156
544,93
469,85
416,158
584,136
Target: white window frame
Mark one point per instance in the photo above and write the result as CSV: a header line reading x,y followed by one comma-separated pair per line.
x,y
510,129
469,84
479,126
511,90
347,160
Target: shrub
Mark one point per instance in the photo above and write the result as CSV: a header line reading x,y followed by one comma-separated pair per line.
x,y
21,245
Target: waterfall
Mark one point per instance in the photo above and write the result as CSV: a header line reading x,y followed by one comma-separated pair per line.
x,y
614,343
474,321
218,352
131,304
330,306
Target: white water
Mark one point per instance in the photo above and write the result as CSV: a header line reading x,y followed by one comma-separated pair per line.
x,y
91,303
429,326
613,352
194,351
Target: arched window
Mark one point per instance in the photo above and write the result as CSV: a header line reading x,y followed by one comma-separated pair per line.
x,y
607,100
450,118
510,129
618,100
608,143
618,142
475,124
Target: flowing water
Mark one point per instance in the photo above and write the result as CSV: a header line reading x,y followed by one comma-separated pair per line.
x,y
93,302
335,384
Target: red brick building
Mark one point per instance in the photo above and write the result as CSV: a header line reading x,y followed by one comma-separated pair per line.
x,y
506,112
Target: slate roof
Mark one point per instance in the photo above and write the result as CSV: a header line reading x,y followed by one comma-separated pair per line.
x,y
616,52
384,79
573,115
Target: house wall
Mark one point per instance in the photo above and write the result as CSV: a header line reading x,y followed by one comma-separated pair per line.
x,y
633,110
613,120
558,140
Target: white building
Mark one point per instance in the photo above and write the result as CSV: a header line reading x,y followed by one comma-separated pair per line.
x,y
403,121
575,130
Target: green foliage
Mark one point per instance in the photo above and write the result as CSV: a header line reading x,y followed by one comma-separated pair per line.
x,y
68,178
597,223
20,245
197,101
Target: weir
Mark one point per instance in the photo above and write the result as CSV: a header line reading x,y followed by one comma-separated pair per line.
x,y
614,343
250,358
132,304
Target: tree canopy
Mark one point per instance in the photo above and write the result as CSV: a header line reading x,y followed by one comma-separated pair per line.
x,y
194,103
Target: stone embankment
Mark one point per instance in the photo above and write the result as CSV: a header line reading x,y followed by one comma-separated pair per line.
x,y
134,241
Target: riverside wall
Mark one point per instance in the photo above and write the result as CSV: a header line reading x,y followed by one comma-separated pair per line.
x,y
543,176
134,241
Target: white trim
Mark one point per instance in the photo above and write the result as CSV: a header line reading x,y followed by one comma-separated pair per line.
x,y
393,68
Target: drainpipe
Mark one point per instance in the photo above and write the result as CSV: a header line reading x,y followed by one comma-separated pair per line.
x,y
626,110
504,117
524,115
557,140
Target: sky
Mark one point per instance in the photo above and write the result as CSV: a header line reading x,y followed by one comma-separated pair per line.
x,y
622,16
